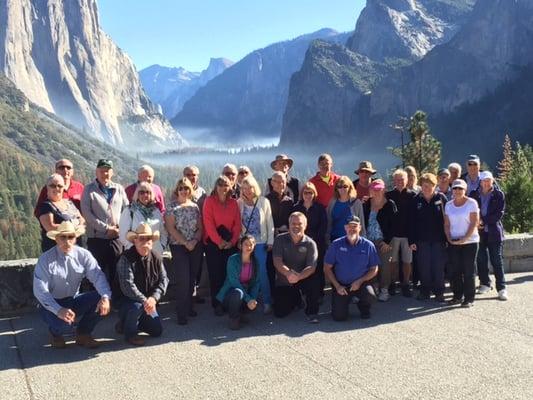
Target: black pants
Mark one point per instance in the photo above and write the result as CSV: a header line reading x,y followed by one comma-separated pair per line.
x,y
107,253
234,303
185,264
340,304
463,274
217,261
431,258
286,298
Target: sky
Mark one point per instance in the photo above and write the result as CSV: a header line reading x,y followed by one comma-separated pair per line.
x,y
187,34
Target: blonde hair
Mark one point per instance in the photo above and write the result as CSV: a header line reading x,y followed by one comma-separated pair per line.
x,y
252,182
428,177
183,182
399,172
311,186
352,192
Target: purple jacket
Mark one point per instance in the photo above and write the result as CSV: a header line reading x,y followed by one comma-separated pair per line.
x,y
493,219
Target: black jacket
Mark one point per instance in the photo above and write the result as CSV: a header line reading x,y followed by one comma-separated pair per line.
x,y
386,217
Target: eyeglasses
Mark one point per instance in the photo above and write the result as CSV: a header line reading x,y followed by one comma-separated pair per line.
x,y
182,188
66,237
145,192
472,163
343,187
458,188
64,167
56,186
243,172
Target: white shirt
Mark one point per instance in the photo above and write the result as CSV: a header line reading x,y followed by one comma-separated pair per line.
x,y
460,219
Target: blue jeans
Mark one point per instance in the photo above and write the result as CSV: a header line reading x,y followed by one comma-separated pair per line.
x,y
494,250
84,305
134,319
261,256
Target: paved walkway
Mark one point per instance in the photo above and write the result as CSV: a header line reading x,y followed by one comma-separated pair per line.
x,y
408,350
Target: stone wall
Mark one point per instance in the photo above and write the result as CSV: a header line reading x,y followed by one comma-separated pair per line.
x,y
16,276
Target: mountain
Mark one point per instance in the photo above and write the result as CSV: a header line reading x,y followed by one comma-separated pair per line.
x,y
57,54
251,95
172,87
329,98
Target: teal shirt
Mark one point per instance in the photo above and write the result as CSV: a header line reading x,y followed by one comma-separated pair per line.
x,y
233,273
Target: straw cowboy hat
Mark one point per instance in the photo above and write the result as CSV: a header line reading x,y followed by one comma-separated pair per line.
x,y
66,228
143,230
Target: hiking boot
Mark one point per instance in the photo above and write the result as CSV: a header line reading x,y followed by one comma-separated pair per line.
x,y
136,340
86,340
57,342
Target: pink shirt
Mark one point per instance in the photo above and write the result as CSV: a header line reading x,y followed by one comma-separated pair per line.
x,y
246,273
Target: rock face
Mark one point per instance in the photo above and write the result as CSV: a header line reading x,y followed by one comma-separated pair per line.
x,y
251,95
172,87
389,34
57,54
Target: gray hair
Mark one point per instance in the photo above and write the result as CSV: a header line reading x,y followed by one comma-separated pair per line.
x,y
145,168
55,177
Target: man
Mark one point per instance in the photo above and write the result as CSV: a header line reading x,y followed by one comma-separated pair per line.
x,y
73,189
283,163
361,184
56,283
351,262
280,202
295,255
443,183
142,281
101,205
491,202
403,198
325,180
471,177
230,172
146,174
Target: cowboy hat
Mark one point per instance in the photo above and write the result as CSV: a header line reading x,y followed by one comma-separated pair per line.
x,y
365,166
66,228
282,157
143,230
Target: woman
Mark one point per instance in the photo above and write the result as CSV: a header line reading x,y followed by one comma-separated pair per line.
x,y
222,226
343,204
143,209
379,215
412,179
55,210
241,285
317,224
427,238
461,220
184,225
256,221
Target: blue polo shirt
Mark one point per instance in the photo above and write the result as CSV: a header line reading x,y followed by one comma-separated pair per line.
x,y
351,262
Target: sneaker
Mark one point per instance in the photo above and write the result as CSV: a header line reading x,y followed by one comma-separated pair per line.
x,y
482,289
57,342
235,324
219,310
267,309
454,302
384,295
312,318
502,295
86,340
466,304
406,291
392,289
135,340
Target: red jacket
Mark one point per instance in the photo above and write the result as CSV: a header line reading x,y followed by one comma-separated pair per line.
x,y
73,193
215,214
325,190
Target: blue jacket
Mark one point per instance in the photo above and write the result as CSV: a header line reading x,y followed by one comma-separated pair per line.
x,y
493,219
233,273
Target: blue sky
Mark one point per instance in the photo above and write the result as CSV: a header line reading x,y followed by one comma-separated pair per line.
x,y
188,33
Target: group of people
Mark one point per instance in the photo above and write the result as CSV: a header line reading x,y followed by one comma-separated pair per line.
x,y
275,247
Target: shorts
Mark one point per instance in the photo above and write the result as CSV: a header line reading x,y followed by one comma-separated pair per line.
x,y
401,244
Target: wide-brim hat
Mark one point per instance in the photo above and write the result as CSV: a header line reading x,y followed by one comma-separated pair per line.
x,y
284,158
143,230
365,166
459,183
66,228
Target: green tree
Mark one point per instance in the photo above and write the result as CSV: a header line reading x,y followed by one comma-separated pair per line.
x,y
423,151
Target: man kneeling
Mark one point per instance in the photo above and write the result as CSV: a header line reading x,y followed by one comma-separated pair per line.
x,y
142,281
350,263
56,283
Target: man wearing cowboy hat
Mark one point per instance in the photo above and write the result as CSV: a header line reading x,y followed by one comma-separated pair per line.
x,y
142,281
56,283
361,184
283,163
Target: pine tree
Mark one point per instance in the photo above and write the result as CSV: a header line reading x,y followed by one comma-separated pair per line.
x,y
505,165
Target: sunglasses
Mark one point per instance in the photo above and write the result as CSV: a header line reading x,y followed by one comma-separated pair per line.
x,y
306,192
472,163
66,237
144,192
243,172
57,186
458,188
64,167
343,187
